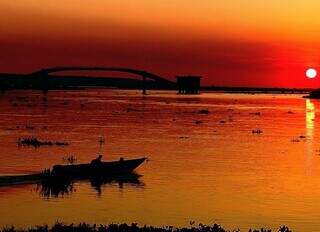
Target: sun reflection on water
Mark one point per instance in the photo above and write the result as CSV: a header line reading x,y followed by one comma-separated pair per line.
x,y
310,119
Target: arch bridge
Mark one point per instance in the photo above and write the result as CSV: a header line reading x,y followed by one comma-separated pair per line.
x,y
143,74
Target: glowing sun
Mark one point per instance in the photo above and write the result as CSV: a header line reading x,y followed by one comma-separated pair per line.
x,y
311,73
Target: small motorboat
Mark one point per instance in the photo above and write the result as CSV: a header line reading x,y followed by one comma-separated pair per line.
x,y
98,169
102,170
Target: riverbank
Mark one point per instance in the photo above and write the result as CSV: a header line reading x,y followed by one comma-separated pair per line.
x,y
84,227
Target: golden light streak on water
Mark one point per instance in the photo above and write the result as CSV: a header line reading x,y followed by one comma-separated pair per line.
x,y
310,120
310,117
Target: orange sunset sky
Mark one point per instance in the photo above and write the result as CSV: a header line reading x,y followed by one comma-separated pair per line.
x,y
265,43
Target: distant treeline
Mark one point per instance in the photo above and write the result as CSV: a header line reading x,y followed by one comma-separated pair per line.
x,y
21,81
83,227
255,89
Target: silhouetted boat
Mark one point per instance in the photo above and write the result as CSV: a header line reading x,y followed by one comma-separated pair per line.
x,y
20,179
101,169
77,171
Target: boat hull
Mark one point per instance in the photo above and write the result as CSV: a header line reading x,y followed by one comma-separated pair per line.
x,y
101,169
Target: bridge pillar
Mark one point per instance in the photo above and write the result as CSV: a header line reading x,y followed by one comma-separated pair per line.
x,y
144,85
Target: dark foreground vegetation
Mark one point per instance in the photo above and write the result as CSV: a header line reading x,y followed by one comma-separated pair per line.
x,y
83,227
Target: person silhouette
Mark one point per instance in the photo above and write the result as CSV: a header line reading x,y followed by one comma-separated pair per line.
x,y
96,160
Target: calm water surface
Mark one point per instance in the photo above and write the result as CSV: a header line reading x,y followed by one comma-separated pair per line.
x,y
214,171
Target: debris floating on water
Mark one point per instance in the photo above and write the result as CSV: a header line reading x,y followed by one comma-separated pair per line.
x,y
32,141
183,137
256,113
257,131
298,139
129,109
29,127
204,111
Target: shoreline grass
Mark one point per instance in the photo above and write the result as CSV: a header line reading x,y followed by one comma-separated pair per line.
x,y
84,227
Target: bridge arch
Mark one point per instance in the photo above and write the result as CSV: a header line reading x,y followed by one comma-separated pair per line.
x,y
144,74
43,75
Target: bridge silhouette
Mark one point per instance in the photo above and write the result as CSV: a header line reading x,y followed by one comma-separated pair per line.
x,y
45,73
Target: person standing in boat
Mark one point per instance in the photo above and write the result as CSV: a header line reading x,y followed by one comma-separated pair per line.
x,y
96,160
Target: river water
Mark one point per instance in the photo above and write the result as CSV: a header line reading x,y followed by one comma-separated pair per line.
x,y
202,167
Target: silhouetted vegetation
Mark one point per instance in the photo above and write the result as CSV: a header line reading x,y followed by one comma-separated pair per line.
x,y
32,141
70,159
315,94
255,90
84,227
